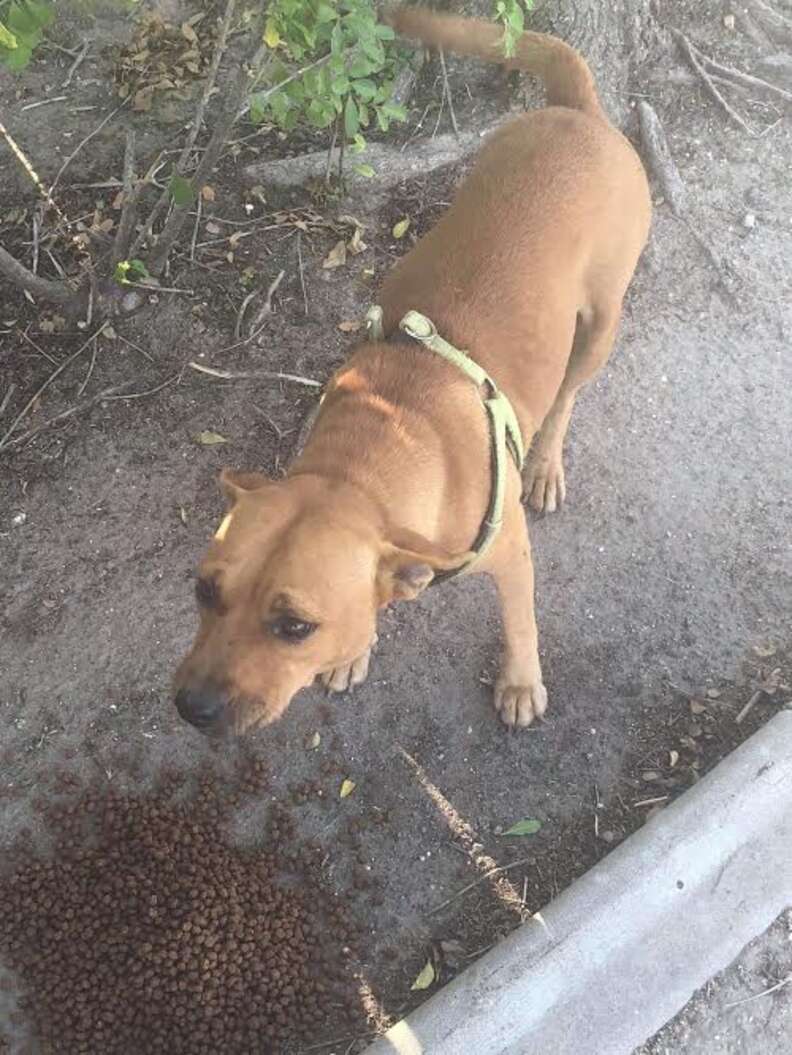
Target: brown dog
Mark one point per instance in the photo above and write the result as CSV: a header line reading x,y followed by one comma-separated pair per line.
x,y
526,271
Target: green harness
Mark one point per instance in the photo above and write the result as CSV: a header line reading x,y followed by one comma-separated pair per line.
x,y
503,425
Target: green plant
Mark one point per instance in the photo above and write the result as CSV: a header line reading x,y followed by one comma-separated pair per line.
x,y
345,61
22,30
511,15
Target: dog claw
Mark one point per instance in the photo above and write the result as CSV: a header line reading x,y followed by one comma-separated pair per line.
x,y
545,486
348,675
519,704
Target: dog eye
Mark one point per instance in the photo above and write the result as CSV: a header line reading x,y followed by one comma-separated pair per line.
x,y
291,629
206,593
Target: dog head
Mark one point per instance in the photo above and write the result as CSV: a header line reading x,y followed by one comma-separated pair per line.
x,y
288,590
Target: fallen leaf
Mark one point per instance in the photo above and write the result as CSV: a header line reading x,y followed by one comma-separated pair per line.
x,y
183,515
47,326
401,228
108,332
271,35
673,758
209,438
366,171
349,326
235,239
207,192
766,650
189,33
142,100
336,257
649,776
213,228
524,827
425,978
313,741
347,787
356,244
696,707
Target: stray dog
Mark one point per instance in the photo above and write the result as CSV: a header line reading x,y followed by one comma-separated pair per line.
x,y
486,331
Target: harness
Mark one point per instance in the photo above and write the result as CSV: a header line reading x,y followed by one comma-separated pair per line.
x,y
504,428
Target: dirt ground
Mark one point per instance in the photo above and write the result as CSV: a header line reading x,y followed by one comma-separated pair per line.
x,y
663,586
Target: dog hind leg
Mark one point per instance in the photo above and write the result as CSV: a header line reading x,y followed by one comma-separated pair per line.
x,y
544,473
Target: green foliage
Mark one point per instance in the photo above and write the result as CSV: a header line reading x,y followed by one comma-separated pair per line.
x,y
353,84
511,15
22,31
180,190
127,272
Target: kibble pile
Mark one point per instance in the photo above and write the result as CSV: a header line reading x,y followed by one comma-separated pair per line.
x,y
148,933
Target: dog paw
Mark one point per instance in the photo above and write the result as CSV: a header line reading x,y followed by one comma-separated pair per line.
x,y
519,701
348,675
544,484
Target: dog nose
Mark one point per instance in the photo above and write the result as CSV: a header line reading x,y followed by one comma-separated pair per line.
x,y
202,707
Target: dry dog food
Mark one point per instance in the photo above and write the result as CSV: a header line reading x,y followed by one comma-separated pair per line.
x,y
147,932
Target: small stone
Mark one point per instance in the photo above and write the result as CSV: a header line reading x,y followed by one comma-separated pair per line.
x,y
19,519
749,221
729,22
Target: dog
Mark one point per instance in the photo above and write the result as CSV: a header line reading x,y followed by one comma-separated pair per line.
x,y
485,332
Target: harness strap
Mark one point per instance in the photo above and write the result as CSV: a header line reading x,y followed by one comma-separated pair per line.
x,y
504,428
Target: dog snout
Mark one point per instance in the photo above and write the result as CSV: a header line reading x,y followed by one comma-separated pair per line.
x,y
203,707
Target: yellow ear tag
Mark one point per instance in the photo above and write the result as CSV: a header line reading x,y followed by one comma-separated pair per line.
x,y
222,531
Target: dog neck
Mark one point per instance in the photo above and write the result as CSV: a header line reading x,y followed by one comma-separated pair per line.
x,y
407,430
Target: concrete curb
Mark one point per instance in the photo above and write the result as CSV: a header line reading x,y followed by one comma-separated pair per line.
x,y
623,948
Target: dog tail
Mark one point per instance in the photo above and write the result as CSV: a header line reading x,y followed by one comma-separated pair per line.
x,y
567,79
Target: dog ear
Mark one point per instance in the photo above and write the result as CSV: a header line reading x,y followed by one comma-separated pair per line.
x,y
407,567
234,484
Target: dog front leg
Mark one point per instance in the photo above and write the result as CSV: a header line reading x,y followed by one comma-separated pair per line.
x,y
520,695
348,675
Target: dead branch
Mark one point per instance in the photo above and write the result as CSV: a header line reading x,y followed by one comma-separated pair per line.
x,y
126,225
195,128
252,375
691,55
46,289
660,159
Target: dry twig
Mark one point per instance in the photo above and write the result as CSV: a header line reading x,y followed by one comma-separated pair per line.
x,y
126,225
764,992
482,879
76,64
266,308
692,56
252,375
4,442
447,92
82,143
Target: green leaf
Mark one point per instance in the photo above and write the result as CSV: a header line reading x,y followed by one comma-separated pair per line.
x,y
401,228
22,21
351,119
524,827
358,144
340,85
180,190
326,13
366,171
365,88
207,438
398,113
258,110
425,978
18,59
7,38
384,32
42,13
